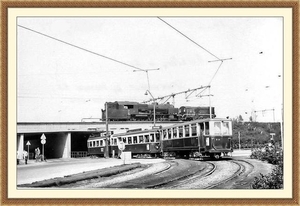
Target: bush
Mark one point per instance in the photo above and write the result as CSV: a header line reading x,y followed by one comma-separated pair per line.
x,y
273,155
269,153
270,181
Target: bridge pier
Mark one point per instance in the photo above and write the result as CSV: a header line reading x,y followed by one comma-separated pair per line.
x,y
67,148
20,144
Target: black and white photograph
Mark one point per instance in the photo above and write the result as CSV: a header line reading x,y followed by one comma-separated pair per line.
x,y
150,102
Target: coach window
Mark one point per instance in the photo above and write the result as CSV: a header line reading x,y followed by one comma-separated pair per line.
x,y
180,131
124,140
141,139
194,129
201,126
134,139
206,128
225,128
175,132
169,133
129,140
115,141
165,132
146,138
187,130
157,136
97,143
152,137
101,142
217,127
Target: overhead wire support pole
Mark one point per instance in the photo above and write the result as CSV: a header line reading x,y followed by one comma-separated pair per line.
x,y
220,60
146,70
174,94
106,136
191,92
154,105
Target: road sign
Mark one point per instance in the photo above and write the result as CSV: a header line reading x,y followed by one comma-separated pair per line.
x,y
121,146
43,136
43,141
28,143
156,127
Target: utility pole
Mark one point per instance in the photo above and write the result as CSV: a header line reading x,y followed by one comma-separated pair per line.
x,y
190,91
209,102
106,139
239,135
265,110
154,105
146,70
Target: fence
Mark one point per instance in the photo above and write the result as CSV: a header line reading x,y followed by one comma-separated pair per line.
x,y
75,154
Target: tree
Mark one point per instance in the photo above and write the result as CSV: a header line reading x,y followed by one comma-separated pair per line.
x,y
241,118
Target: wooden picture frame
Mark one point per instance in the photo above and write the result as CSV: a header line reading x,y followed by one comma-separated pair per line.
x,y
5,126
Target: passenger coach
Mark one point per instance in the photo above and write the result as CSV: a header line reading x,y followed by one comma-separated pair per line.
x,y
202,137
205,137
141,144
96,145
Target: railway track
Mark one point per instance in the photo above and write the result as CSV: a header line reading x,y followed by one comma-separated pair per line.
x,y
239,180
178,169
185,180
171,174
217,175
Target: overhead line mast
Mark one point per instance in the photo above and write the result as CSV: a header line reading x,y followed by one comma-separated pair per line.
x,y
190,91
146,70
218,59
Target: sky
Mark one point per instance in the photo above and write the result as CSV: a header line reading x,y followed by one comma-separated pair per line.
x,y
67,68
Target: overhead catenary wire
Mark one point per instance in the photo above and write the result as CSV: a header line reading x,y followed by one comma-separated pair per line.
x,y
188,38
81,48
218,59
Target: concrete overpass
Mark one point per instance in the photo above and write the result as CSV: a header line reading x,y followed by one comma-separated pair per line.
x,y
69,139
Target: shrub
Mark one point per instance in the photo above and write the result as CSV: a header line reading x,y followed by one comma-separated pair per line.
x,y
269,153
273,155
270,181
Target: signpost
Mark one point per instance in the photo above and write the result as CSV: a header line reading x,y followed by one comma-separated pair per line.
x,y
239,135
272,134
43,141
28,144
121,147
